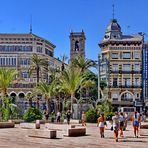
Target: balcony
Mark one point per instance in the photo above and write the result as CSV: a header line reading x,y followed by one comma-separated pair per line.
x,y
22,85
127,99
125,86
124,102
126,71
115,71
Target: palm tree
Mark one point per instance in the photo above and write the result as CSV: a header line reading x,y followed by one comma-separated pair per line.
x,y
83,63
6,78
70,81
29,97
38,64
46,90
87,85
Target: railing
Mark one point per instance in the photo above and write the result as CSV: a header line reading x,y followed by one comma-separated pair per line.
x,y
127,99
126,71
125,86
22,85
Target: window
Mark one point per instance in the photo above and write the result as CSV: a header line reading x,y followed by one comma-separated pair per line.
x,y
126,67
115,82
48,52
25,74
25,61
137,67
137,82
8,61
39,49
126,82
126,55
114,95
114,55
136,55
137,95
15,48
115,67
51,63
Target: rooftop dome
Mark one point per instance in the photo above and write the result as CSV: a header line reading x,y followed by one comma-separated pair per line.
x,y
113,26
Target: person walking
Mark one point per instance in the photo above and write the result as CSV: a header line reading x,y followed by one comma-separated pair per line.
x,y
46,114
136,123
122,121
126,120
101,123
58,116
116,125
68,114
83,118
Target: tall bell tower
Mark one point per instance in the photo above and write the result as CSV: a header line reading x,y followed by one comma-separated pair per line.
x,y
77,44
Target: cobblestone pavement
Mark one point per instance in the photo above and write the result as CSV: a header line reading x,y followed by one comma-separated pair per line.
x,y
18,138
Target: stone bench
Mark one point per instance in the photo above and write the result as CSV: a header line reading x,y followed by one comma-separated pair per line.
x,y
30,125
145,126
50,134
16,121
72,132
7,124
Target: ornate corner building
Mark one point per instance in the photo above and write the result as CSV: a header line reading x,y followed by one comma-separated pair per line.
x,y
121,66
16,51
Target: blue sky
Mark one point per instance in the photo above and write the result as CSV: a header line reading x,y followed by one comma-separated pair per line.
x,y
53,20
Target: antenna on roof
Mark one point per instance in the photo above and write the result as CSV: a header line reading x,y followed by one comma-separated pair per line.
x,y
113,11
30,25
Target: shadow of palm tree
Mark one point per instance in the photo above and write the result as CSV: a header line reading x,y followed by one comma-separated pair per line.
x,y
134,141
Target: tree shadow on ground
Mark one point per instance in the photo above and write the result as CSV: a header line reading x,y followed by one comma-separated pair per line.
x,y
133,141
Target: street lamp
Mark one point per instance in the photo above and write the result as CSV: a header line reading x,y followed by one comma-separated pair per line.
x,y
98,68
98,77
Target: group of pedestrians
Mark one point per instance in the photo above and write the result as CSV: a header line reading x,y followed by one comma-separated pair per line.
x,y
58,116
119,123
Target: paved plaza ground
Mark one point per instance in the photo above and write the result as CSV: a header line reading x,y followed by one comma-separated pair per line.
x,y
18,138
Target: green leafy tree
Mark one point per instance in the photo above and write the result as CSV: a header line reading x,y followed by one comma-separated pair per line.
x,y
46,90
70,81
38,64
8,109
32,114
105,106
82,63
6,78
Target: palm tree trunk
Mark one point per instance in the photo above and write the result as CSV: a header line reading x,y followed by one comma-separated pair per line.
x,y
38,74
30,102
48,105
72,96
38,103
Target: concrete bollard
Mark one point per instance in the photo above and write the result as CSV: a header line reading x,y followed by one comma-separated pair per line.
x,y
37,124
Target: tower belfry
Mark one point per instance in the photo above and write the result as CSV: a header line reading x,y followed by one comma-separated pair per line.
x,y
77,44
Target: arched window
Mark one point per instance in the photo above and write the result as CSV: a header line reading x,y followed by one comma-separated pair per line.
x,y
77,46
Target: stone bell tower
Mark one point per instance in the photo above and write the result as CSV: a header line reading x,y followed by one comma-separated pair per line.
x,y
77,44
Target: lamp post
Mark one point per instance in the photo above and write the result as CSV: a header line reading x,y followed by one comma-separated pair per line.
x,y
98,77
98,67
